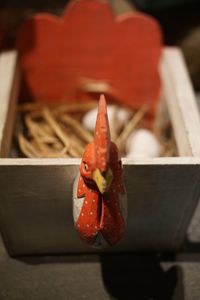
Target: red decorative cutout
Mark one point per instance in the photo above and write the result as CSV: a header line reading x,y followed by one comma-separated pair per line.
x,y
90,42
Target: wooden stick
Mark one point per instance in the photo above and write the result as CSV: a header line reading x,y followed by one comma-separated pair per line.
x,y
36,108
35,133
49,135
120,141
74,107
74,138
77,145
49,140
63,151
47,131
69,143
74,150
39,131
27,148
55,127
39,135
78,128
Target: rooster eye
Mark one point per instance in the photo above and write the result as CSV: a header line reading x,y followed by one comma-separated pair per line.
x,y
86,167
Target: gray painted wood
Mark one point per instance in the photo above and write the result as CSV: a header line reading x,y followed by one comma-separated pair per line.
x,y
9,89
181,102
36,204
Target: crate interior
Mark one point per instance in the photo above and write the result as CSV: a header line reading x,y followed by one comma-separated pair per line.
x,y
33,126
173,129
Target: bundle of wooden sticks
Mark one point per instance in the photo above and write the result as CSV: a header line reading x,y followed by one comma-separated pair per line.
x,y
57,130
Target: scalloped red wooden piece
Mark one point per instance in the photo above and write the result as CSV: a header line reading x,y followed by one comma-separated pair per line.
x,y
90,42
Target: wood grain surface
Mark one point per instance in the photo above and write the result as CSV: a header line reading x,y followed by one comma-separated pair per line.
x,y
36,213
57,54
9,88
181,102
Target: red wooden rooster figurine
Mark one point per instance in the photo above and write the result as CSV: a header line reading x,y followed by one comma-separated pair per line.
x,y
99,196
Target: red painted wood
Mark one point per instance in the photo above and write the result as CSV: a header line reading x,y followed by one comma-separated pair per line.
x,y
90,42
101,212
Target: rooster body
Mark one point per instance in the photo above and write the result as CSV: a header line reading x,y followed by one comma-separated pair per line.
x,y
99,196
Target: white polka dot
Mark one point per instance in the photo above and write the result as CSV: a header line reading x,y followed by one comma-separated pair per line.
x,y
86,202
95,227
78,225
91,213
93,200
82,214
87,225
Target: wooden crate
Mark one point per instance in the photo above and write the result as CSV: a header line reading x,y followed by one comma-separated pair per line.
x,y
36,194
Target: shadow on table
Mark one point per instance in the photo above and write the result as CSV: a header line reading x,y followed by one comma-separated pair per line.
x,y
54,259
191,247
129,276
140,277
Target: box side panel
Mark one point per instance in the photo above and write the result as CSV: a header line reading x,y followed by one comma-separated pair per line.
x,y
36,207
181,103
9,89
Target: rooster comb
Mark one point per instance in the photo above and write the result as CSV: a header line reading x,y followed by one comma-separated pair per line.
x,y
102,136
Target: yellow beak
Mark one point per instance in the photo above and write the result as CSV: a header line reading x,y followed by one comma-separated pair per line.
x,y
103,182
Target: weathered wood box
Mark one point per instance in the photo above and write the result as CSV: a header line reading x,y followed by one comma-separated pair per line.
x,y
36,194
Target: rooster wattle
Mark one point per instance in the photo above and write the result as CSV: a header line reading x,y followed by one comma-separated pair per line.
x,y
99,196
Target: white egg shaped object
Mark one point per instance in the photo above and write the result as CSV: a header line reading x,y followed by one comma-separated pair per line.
x,y
123,116
120,116
89,119
142,143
